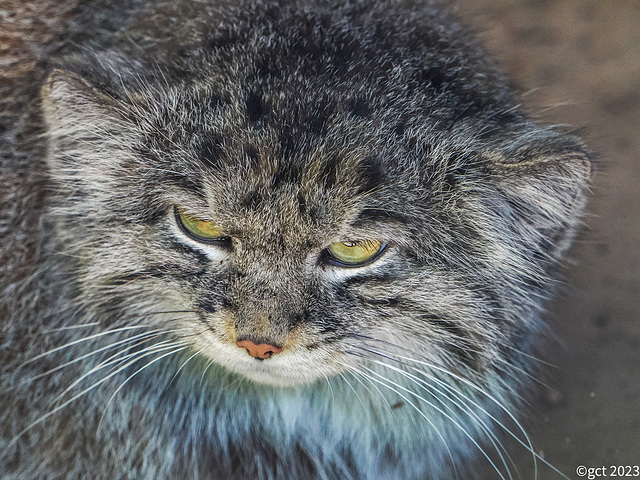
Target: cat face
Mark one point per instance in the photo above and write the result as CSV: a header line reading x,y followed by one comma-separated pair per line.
x,y
316,228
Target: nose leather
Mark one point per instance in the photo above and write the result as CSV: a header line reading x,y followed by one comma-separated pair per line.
x,y
261,350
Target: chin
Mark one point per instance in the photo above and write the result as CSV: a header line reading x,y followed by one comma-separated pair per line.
x,y
277,379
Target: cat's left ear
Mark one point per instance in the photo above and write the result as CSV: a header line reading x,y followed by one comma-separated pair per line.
x,y
543,185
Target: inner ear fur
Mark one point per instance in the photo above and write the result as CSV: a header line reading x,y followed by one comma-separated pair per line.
x,y
66,95
85,127
556,164
543,184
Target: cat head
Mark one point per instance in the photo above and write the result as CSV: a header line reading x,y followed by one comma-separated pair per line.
x,y
290,222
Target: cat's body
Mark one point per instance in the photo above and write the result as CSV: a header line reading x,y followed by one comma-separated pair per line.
x,y
291,128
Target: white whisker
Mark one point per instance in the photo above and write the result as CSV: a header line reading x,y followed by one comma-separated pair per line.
x,y
183,365
148,364
85,391
81,340
526,443
364,407
205,371
95,352
409,402
380,395
118,360
446,415
429,388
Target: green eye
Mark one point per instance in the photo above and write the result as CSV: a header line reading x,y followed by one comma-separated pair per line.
x,y
201,230
357,253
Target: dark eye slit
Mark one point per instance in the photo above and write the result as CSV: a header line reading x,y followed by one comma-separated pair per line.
x,y
328,259
223,242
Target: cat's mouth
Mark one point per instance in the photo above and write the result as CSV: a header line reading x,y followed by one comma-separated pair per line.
x,y
283,371
270,364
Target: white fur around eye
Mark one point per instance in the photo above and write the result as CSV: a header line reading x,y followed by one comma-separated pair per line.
x,y
214,253
336,273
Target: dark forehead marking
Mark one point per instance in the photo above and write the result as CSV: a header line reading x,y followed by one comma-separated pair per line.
x,y
317,124
252,154
175,175
222,39
254,104
302,204
210,151
372,173
359,107
434,77
288,141
288,173
329,172
399,129
315,115
253,200
371,217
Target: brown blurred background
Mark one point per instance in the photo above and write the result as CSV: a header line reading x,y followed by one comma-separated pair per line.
x,y
577,62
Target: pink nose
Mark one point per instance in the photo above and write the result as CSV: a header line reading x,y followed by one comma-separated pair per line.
x,y
262,350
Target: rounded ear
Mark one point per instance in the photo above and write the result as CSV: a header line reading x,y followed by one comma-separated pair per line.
x,y
86,130
544,185
68,99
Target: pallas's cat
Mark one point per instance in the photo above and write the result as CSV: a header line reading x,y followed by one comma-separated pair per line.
x,y
289,240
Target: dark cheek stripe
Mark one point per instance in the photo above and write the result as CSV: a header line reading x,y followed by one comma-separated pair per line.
x,y
141,275
456,341
201,258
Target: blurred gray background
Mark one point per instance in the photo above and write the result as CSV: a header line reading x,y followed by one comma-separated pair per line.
x,y
577,62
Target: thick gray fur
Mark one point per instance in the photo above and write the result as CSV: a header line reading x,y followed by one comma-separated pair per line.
x,y
292,125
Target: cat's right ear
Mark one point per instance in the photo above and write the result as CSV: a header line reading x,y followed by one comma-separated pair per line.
x,y
69,102
86,128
